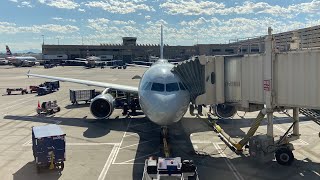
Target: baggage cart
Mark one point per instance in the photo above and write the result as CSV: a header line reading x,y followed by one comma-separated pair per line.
x,y
81,95
10,90
48,146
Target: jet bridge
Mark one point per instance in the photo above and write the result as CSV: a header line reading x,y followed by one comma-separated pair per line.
x,y
268,82
290,79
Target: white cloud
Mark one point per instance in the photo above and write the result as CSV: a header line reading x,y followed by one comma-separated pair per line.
x,y
62,19
81,10
191,7
196,22
99,24
201,7
25,4
11,28
120,6
102,24
147,17
22,4
124,22
62,4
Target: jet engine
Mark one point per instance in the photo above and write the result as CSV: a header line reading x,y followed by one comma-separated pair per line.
x,y
225,111
102,106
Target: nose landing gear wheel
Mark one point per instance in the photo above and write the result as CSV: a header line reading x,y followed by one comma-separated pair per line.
x,y
284,156
191,109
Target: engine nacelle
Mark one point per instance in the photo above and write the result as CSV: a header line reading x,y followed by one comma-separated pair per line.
x,y
225,111
102,106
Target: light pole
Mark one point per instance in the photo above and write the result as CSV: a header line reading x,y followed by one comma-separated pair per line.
x,y
42,39
58,41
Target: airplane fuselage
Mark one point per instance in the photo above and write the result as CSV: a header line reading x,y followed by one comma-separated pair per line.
x,y
162,96
23,61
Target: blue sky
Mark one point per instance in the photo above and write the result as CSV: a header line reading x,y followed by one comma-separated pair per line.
x,y
186,22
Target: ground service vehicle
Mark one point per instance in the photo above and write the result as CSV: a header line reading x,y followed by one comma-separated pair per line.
x,y
49,107
48,146
169,168
33,89
48,87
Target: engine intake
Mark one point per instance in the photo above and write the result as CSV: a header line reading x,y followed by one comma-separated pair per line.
x,y
102,106
225,111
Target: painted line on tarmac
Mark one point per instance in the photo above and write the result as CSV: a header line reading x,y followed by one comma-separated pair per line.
x,y
136,134
128,161
135,144
307,154
229,163
20,103
13,102
108,163
120,144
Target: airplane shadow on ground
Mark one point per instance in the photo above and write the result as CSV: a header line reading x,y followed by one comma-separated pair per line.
x,y
179,138
77,106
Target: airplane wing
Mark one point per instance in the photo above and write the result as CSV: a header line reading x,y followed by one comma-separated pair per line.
x,y
81,61
136,65
123,88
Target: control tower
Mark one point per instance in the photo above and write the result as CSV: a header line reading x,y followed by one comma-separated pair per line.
x,y
129,41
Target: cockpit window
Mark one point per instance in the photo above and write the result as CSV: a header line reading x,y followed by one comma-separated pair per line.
x,y
172,87
157,87
147,86
182,86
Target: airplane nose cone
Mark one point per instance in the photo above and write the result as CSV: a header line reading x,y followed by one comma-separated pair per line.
x,y
164,109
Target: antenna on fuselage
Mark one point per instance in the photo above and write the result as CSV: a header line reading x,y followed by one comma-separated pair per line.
x,y
161,43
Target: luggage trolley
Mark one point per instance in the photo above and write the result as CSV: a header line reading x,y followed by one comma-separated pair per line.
x,y
48,146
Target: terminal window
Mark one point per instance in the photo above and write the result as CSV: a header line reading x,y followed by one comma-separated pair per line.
x,y
216,50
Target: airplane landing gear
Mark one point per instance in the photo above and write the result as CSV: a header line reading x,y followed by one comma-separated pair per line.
x,y
164,132
164,139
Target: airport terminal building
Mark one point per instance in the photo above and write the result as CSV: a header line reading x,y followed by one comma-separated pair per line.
x,y
129,50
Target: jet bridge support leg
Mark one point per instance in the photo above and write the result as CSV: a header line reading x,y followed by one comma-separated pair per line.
x,y
296,120
270,123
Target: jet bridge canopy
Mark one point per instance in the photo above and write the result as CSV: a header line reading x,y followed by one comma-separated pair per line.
x,y
239,80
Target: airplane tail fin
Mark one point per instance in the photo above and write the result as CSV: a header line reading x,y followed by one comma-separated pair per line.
x,y
8,53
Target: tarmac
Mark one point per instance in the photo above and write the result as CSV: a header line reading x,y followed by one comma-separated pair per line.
x,y
116,148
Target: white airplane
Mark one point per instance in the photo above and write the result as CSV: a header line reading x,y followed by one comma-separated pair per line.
x,y
162,96
93,61
3,61
23,61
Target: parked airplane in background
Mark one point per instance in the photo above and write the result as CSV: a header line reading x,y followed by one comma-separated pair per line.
x,y
3,61
93,61
162,96
21,61
90,61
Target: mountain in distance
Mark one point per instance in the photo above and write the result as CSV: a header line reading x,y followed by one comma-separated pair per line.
x,y
30,51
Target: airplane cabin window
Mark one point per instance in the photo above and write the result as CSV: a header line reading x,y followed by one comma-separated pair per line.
x,y
157,87
182,87
172,87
